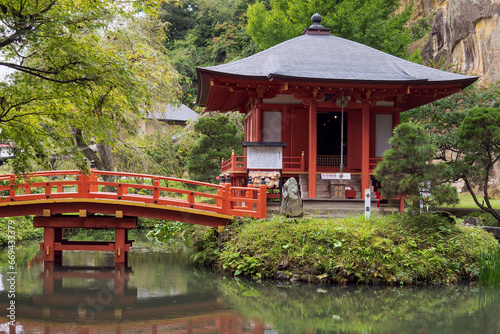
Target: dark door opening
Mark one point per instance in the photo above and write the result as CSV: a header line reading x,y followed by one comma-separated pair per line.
x,y
329,133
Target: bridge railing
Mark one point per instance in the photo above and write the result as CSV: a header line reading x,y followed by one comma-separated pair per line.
x,y
141,188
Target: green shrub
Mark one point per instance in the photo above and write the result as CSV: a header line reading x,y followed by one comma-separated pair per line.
x,y
21,228
169,231
398,249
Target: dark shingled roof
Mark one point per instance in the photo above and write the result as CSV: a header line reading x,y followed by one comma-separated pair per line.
x,y
328,58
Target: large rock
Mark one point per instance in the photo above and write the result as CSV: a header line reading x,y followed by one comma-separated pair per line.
x,y
473,221
464,33
493,230
291,203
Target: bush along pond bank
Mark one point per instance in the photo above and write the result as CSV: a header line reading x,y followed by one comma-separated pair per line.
x,y
21,228
396,249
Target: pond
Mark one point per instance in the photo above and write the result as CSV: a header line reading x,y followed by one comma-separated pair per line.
x,y
159,291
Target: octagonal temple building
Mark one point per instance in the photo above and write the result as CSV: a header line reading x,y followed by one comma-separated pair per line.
x,y
319,108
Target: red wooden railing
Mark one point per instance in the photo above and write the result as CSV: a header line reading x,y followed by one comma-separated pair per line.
x,y
238,163
142,188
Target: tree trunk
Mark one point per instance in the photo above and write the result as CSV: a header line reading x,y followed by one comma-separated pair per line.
x,y
103,159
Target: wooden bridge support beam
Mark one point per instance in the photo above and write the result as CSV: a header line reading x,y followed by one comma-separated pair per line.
x,y
120,242
51,236
53,243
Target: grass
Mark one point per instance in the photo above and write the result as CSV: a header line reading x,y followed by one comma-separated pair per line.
x,y
489,272
397,249
467,202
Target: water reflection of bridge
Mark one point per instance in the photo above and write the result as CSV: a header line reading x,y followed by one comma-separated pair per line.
x,y
112,306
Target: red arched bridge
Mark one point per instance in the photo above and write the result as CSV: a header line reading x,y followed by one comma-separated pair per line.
x,y
102,199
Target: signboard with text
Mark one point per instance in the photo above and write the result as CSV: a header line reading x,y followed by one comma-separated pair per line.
x,y
335,176
262,157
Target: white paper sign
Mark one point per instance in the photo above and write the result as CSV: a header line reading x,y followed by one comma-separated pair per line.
x,y
261,157
335,176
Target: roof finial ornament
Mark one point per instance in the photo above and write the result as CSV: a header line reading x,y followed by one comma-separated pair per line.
x,y
316,28
316,20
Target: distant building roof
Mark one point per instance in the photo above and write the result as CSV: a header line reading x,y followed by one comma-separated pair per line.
x,y
169,112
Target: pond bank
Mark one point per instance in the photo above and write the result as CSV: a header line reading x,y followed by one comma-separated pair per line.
x,y
396,249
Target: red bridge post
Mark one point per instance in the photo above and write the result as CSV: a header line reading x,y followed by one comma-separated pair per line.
x,y
262,206
120,241
249,194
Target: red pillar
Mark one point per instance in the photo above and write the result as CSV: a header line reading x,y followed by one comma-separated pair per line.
x,y
48,244
396,119
259,120
312,148
120,238
58,234
365,149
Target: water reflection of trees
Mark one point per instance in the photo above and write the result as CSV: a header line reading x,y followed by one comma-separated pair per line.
x,y
154,292
316,309
167,292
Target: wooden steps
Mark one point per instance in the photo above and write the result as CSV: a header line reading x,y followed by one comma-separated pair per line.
x,y
330,189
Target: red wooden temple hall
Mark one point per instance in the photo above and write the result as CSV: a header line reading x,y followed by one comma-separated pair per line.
x,y
295,94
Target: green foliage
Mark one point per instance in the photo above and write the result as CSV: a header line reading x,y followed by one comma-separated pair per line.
x,y
489,270
148,223
479,141
81,234
479,145
219,136
241,264
205,33
441,118
465,128
21,228
421,28
180,16
373,23
169,231
206,247
406,170
82,71
164,152
396,249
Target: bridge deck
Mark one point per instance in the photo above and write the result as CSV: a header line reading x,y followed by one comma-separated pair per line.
x,y
137,195
120,196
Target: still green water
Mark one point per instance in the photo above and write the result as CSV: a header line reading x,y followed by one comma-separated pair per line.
x,y
160,292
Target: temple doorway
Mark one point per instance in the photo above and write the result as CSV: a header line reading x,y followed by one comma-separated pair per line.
x,y
328,140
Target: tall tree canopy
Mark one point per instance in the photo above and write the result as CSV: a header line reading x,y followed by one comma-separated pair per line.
x,y
219,135
80,72
205,33
371,22
465,127
479,151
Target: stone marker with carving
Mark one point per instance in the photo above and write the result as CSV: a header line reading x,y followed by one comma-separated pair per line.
x,y
291,203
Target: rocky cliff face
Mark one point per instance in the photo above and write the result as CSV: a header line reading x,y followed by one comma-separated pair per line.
x,y
464,34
